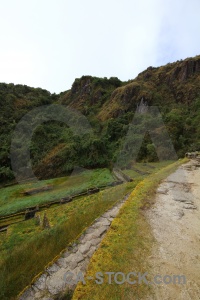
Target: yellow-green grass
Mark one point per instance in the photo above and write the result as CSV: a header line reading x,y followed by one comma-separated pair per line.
x,y
23,231
26,242
126,246
26,249
143,169
13,200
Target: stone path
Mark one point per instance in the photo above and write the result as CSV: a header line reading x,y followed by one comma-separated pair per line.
x,y
75,260
175,223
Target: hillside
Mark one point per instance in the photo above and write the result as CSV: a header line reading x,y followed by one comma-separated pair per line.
x,y
109,105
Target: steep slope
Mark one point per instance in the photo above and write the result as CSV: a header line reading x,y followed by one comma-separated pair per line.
x,y
15,102
168,85
109,105
173,83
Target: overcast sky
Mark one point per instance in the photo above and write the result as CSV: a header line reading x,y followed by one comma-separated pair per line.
x,y
49,43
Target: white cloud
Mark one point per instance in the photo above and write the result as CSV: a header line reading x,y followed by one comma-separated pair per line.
x,y
179,31
48,43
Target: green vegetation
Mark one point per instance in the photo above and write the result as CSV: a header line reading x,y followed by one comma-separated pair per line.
x,y
13,200
141,170
17,263
126,245
25,243
109,106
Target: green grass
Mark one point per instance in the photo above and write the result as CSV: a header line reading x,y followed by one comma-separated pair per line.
x,y
23,231
126,245
12,199
141,170
26,242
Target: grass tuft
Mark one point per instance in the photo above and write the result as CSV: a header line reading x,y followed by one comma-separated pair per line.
x,y
126,246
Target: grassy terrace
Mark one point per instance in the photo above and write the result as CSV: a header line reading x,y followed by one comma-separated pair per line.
x,y
27,248
12,199
126,246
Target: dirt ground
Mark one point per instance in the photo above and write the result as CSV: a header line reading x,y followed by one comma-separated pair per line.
x,y
175,223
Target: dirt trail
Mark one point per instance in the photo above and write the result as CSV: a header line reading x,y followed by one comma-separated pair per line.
x,y
175,223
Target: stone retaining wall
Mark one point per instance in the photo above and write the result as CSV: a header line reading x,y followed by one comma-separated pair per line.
x,y
75,260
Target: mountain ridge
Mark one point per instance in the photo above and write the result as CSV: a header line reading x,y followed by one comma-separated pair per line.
x,y
109,105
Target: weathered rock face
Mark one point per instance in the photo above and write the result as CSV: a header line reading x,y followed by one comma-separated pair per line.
x,y
87,91
82,86
162,85
185,69
188,69
173,86
171,82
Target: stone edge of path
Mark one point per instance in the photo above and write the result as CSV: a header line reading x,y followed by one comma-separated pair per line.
x,y
73,259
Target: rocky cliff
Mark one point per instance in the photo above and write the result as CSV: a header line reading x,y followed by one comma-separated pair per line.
x,y
109,104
